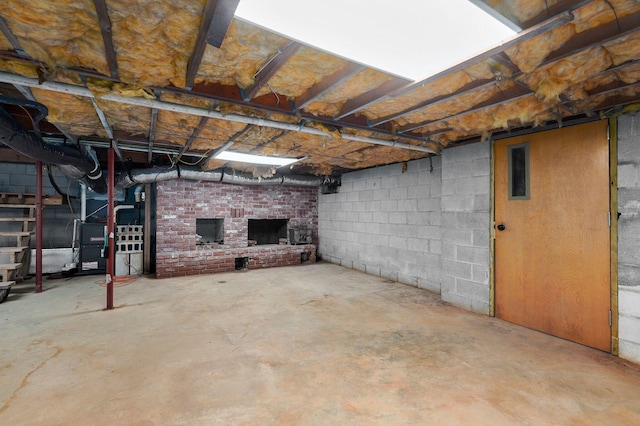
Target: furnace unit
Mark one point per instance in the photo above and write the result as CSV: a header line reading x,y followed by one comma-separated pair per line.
x,y
92,248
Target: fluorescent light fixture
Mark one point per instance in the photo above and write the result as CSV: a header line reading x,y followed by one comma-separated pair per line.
x,y
409,38
255,159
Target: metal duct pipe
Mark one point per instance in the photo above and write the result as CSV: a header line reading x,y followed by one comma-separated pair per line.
x,y
71,161
158,174
201,112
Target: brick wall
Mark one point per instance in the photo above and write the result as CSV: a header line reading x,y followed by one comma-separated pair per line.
x,y
181,202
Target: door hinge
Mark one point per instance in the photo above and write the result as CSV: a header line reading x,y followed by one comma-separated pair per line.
x,y
609,318
609,219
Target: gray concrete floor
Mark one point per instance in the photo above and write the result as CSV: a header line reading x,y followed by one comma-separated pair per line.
x,y
308,345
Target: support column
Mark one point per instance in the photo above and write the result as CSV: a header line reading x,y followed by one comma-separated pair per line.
x,y
38,227
110,229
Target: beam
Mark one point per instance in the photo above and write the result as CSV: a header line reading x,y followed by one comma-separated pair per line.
x,y
523,36
27,93
263,76
591,38
203,112
512,94
555,9
221,21
105,28
468,88
364,100
597,36
216,19
227,145
4,27
193,137
327,84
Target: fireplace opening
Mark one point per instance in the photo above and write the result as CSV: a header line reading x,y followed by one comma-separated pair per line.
x,y
267,231
210,231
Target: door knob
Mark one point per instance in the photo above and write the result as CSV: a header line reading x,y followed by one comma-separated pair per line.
x,y
501,227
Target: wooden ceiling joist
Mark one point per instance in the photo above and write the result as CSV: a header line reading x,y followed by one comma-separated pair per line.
x,y
216,19
4,27
222,17
371,97
326,84
561,6
512,94
263,76
26,92
468,88
596,37
105,28
193,137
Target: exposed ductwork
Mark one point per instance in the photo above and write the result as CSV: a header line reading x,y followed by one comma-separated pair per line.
x,y
158,174
72,162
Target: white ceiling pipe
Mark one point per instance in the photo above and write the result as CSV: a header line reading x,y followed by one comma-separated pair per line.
x,y
201,112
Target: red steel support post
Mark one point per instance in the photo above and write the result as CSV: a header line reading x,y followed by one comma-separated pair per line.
x,y
38,227
110,229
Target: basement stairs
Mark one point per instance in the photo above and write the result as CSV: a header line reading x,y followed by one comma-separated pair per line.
x,y
17,224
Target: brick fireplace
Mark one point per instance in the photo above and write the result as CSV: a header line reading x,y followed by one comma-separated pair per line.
x,y
221,212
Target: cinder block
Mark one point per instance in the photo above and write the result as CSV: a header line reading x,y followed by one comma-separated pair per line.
x,y
372,270
629,350
626,125
398,217
627,175
461,203
389,274
408,205
629,328
456,300
408,279
419,192
399,193
629,275
477,255
365,195
372,228
380,217
429,285
419,245
629,302
389,206
456,269
389,182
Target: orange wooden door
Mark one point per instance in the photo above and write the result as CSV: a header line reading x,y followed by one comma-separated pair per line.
x,y
552,260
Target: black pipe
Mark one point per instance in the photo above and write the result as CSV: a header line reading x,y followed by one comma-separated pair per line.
x,y
17,137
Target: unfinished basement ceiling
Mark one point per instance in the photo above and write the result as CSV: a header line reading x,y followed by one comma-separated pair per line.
x,y
173,81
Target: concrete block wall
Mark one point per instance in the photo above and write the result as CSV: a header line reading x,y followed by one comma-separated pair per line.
x,y
386,222
629,236
181,202
466,196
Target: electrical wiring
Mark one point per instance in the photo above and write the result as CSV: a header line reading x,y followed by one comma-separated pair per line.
x,y
118,281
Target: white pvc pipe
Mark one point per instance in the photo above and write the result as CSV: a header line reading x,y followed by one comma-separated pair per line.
x,y
83,202
201,112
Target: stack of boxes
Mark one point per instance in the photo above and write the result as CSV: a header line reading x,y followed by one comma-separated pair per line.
x,y
129,250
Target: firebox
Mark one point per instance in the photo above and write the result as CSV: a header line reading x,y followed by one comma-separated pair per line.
x,y
210,231
267,231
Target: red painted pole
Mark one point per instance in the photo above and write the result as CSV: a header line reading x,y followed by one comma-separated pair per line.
x,y
38,226
110,229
